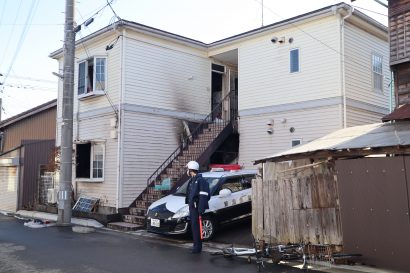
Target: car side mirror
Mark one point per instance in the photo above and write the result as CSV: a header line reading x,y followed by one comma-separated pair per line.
x,y
224,192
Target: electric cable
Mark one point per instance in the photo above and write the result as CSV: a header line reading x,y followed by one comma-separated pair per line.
x,y
2,11
346,58
29,19
12,32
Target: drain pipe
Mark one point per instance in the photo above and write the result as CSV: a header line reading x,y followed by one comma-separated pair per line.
x,y
120,127
342,64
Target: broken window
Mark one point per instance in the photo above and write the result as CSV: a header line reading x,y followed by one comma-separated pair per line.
x,y
90,160
92,75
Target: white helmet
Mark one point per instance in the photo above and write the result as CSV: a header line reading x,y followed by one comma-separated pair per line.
x,y
193,165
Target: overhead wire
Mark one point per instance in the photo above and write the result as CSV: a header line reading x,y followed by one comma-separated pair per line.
x,y
2,11
29,19
346,58
12,32
88,55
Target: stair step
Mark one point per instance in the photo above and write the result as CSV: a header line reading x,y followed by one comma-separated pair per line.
x,y
124,226
142,204
138,211
151,197
134,219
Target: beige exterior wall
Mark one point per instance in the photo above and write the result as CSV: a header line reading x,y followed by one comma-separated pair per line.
x,y
264,77
309,124
359,47
8,188
166,75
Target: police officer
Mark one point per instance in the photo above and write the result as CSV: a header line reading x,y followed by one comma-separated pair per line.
x,y
197,199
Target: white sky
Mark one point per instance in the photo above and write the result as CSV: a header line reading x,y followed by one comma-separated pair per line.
x,y
30,81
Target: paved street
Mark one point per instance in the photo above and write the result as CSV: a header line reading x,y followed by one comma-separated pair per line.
x,y
58,249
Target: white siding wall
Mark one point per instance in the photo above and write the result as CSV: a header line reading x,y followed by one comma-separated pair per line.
x,y
165,75
83,51
356,117
8,189
309,124
148,141
264,77
98,129
359,46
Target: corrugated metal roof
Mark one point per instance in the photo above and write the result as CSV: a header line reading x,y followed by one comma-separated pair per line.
x,y
401,113
371,136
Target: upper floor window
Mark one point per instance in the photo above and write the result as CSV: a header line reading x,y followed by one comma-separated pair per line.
x,y
377,68
92,75
294,60
90,161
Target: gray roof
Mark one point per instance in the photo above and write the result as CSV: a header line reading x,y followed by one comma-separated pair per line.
x,y
354,140
265,29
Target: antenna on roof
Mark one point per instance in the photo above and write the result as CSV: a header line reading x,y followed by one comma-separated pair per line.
x,y
262,10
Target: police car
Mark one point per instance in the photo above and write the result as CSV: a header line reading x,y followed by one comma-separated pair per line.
x,y
230,200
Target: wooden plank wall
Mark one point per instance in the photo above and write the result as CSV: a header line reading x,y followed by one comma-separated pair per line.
x,y
399,23
293,203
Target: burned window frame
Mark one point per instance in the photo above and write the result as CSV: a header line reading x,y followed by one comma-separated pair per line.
x,y
86,171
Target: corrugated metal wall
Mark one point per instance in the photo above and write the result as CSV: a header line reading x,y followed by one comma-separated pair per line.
x,y
374,201
34,154
40,126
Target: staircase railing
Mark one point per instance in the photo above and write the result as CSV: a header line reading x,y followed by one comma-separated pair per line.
x,y
218,117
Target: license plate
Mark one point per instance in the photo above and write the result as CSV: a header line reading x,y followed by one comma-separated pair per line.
x,y
155,222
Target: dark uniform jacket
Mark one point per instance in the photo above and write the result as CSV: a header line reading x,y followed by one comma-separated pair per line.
x,y
198,194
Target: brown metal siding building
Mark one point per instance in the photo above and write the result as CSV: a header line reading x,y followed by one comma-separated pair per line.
x,y
38,123
27,143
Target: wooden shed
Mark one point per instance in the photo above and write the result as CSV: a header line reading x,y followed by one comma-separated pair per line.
x,y
297,202
349,189
399,23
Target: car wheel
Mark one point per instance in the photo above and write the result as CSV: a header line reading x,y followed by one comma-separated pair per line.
x,y
208,228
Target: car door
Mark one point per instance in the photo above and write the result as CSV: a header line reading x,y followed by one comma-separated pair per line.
x,y
231,205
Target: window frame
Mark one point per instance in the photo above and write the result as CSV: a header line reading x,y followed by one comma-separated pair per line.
x,y
374,72
295,139
91,178
92,92
290,60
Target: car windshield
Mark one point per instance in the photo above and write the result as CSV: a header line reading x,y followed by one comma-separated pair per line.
x,y
212,181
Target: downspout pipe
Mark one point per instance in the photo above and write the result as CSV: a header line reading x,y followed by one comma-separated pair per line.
x,y
342,64
120,126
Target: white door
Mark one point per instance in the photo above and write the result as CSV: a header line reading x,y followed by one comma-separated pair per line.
x,y
8,189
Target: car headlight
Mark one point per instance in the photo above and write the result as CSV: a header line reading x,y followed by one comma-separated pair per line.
x,y
182,212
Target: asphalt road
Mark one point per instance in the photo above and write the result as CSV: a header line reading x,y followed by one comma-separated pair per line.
x,y
59,250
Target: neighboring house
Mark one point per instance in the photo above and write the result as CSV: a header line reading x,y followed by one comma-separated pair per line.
x,y
399,19
137,89
27,141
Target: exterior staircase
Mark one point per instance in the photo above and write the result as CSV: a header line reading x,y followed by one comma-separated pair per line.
x,y
198,146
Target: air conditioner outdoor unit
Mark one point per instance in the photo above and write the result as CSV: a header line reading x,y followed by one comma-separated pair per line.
x,y
52,196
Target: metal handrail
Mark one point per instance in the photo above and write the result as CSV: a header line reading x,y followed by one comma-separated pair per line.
x,y
210,118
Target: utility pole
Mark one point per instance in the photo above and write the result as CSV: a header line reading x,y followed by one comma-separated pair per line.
x,y
64,194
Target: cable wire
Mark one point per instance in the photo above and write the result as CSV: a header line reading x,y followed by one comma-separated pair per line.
x,y
345,58
29,19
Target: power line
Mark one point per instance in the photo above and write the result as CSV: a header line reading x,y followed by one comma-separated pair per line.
x,y
375,12
12,32
346,58
29,19
2,11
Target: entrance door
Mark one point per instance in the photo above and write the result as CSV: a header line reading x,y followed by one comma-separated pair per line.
x,y
218,72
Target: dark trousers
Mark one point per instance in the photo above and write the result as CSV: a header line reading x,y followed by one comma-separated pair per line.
x,y
193,213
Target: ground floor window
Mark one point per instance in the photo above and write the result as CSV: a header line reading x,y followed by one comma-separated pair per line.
x,y
90,160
